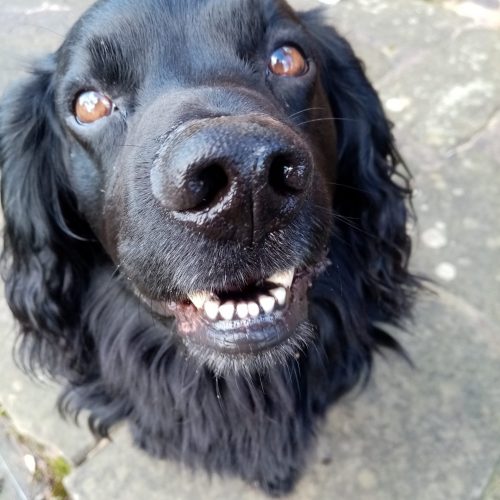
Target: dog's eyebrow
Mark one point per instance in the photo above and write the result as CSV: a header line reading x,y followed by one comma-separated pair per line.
x,y
111,63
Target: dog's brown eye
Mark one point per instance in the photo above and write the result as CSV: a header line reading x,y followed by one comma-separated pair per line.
x,y
287,61
91,106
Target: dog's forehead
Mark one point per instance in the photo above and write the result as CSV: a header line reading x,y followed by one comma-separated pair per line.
x,y
170,20
180,36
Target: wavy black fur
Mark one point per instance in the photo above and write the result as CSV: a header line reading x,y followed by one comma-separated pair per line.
x,y
80,322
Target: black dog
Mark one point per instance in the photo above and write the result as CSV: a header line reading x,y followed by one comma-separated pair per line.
x,y
204,222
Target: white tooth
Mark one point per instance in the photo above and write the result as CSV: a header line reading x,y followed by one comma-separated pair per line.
x,y
242,310
212,309
283,278
267,303
253,309
227,310
279,294
199,298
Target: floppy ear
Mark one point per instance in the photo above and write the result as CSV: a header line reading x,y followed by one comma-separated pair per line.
x,y
43,283
372,191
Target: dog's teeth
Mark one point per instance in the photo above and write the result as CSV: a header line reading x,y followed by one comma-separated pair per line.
x,y
212,309
279,294
242,310
199,298
227,310
253,309
267,303
284,278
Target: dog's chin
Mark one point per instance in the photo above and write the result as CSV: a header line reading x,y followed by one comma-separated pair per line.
x,y
247,329
224,364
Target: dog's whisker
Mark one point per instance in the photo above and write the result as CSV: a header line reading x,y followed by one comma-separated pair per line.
x,y
308,109
330,118
355,227
348,187
42,28
352,222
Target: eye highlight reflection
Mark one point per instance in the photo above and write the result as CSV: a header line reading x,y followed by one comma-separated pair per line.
x,y
288,61
91,106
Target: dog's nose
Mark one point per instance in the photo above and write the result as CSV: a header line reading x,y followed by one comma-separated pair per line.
x,y
233,177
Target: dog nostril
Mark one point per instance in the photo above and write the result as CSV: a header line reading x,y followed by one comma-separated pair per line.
x,y
194,187
288,175
206,186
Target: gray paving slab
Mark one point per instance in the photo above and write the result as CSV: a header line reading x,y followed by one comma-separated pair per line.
x,y
450,94
16,482
493,489
447,122
8,490
30,30
391,34
446,110
388,35
459,221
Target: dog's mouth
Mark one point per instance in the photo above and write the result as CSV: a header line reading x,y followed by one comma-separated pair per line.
x,y
244,320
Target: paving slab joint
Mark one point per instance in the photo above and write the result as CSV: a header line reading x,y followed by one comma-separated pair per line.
x,y
43,465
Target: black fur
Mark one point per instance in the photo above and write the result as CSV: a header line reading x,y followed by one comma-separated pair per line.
x,y
79,318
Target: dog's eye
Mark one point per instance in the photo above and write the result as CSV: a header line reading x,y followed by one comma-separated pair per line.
x,y
288,61
91,106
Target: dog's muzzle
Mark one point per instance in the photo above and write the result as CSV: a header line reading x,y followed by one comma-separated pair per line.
x,y
236,179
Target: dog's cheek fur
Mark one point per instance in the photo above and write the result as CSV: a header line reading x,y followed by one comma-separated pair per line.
x,y
44,263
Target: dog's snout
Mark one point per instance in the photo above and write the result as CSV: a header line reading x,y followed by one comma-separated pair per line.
x,y
233,177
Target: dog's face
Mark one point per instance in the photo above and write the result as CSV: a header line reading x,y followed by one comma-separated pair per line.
x,y
203,155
